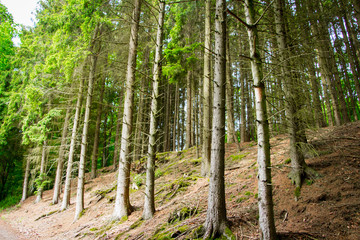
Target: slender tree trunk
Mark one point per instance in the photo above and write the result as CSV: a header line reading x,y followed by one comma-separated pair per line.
x,y
166,141
266,211
40,189
206,151
319,118
231,134
59,170
140,115
215,223
81,176
26,180
94,154
66,198
176,117
117,136
188,143
105,139
295,126
323,50
122,199
149,203
353,49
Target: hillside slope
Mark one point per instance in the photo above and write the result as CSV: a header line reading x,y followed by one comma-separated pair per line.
x,y
328,208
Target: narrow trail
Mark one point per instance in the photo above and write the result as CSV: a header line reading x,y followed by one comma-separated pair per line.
x,y
8,233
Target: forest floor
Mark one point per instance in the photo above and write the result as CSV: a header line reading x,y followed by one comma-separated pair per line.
x,y
327,208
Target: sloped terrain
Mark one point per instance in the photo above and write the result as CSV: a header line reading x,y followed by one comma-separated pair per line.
x,y
327,208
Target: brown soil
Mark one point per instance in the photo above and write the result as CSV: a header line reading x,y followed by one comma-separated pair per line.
x,y
328,207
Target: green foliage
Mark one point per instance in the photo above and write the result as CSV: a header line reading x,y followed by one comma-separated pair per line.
x,y
41,182
10,201
138,180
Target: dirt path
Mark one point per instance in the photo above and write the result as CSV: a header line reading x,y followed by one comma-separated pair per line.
x,y
8,233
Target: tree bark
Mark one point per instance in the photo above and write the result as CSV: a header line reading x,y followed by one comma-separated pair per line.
x,y
40,189
94,154
122,201
295,126
81,176
176,119
166,145
117,137
266,211
60,165
140,115
231,134
188,143
206,150
26,180
149,203
66,198
216,221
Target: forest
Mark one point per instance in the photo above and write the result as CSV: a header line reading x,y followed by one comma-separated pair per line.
x,y
114,84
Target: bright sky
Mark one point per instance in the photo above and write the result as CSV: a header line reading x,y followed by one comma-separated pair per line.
x,y
23,11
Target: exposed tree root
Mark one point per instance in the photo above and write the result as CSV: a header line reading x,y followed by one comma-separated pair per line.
x,y
297,177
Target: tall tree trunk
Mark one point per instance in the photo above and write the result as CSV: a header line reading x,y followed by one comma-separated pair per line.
x,y
105,139
40,189
149,203
117,136
231,134
166,146
323,50
215,223
295,126
206,150
66,198
353,51
94,155
60,165
319,118
266,211
122,201
26,180
188,143
176,118
81,176
140,115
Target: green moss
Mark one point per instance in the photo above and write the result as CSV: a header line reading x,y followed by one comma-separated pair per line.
x,y
287,161
182,214
228,234
196,162
248,193
197,233
137,223
123,219
309,181
241,199
158,173
238,157
297,192
93,229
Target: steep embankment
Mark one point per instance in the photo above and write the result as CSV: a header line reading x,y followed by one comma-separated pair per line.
x,y
328,208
